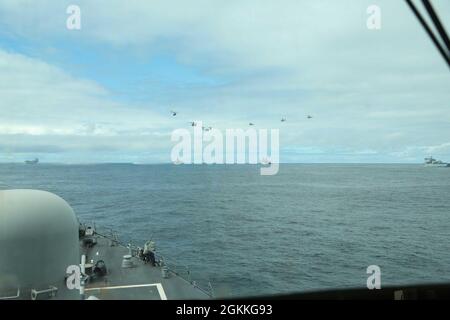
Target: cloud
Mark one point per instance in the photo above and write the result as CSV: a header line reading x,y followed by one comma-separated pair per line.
x,y
34,91
384,91
45,107
443,148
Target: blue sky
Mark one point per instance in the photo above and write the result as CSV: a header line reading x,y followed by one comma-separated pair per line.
x,y
103,93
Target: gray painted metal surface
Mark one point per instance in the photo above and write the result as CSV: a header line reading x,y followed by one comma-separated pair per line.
x,y
40,238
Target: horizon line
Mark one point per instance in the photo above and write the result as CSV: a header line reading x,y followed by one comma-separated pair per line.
x,y
171,163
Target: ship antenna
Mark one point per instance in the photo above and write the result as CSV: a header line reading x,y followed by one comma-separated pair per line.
x,y
437,23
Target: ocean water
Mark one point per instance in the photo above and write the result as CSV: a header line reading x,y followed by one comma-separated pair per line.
x,y
309,227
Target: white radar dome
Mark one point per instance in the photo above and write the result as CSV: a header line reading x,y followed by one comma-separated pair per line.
x,y
38,240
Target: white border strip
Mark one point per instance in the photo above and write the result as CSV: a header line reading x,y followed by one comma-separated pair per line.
x,y
158,286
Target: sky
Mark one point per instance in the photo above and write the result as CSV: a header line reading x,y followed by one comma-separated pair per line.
x,y
103,93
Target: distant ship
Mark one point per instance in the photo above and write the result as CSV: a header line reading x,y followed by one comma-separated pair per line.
x,y
35,161
431,162
177,162
266,162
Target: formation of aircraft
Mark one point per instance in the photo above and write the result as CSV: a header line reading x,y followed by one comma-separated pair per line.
x,y
251,124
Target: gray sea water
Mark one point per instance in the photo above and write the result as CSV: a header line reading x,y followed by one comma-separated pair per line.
x,y
309,227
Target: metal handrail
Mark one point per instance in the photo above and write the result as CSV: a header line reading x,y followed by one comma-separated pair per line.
x,y
51,291
12,297
171,265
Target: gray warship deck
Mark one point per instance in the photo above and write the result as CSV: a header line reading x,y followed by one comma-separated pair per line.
x,y
42,244
142,281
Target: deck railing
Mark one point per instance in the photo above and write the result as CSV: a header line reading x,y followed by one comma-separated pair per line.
x,y
178,269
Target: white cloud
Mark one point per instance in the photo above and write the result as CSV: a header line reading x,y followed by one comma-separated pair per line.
x,y
43,105
381,90
443,148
